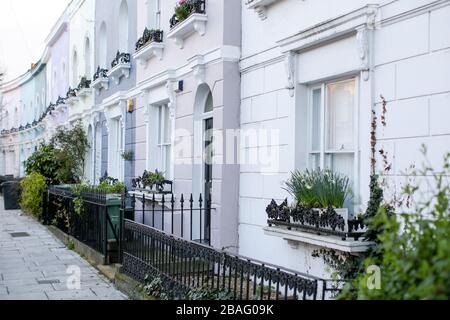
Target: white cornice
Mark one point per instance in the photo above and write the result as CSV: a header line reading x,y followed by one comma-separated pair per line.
x,y
342,26
222,54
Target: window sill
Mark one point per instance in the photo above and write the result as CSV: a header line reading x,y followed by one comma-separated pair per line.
x,y
195,23
294,237
153,49
119,71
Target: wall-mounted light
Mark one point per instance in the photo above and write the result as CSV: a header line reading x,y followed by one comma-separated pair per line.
x,y
130,105
180,87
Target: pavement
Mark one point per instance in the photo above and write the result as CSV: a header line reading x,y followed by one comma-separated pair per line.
x,y
34,265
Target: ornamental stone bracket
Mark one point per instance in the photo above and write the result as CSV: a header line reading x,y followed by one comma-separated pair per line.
x,y
100,83
362,39
153,49
170,87
119,71
289,64
198,66
260,7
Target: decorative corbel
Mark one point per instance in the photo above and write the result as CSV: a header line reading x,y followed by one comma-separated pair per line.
x,y
123,111
199,73
289,63
172,97
362,39
372,16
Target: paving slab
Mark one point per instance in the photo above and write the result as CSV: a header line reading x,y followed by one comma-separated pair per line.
x,y
35,265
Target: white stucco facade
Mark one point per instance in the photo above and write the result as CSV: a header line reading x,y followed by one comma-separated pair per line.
x,y
296,49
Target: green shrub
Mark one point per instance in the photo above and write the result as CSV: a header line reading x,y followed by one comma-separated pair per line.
x,y
61,161
103,187
413,251
319,188
33,187
182,10
72,146
45,161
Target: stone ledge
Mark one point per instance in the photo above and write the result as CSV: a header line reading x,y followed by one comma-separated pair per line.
x,y
330,242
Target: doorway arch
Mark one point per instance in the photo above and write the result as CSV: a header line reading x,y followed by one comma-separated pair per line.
x,y
203,151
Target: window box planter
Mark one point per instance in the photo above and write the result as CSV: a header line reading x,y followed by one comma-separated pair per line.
x,y
196,22
120,67
326,222
149,45
84,93
100,80
260,7
296,237
100,83
72,100
84,88
153,49
71,97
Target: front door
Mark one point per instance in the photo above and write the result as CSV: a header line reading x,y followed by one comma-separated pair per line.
x,y
208,176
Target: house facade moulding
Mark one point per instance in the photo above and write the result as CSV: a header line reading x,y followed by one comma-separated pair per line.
x,y
359,23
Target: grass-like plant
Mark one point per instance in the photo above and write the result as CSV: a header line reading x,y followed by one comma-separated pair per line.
x,y
319,188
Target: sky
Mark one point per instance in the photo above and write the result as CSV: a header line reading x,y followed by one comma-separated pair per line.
x,y
24,25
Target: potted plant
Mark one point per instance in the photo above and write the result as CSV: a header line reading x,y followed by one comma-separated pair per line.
x,y
182,10
320,198
153,181
127,155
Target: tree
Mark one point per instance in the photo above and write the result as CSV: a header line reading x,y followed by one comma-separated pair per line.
x,y
62,160
73,145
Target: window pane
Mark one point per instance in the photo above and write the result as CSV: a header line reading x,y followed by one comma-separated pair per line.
x,y
167,162
340,109
315,161
209,103
167,125
160,125
341,163
316,115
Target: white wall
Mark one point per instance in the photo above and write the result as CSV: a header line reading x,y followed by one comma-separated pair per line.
x,y
411,69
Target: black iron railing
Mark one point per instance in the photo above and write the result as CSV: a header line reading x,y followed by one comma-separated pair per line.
x,y
322,222
84,83
184,265
121,58
100,73
187,218
193,6
148,37
91,225
71,93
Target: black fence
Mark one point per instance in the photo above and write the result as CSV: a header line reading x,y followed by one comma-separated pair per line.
x,y
186,217
87,220
184,266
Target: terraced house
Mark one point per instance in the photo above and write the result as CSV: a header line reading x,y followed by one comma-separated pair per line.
x,y
231,99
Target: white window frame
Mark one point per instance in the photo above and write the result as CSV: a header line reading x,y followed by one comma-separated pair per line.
x,y
156,15
323,127
164,147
